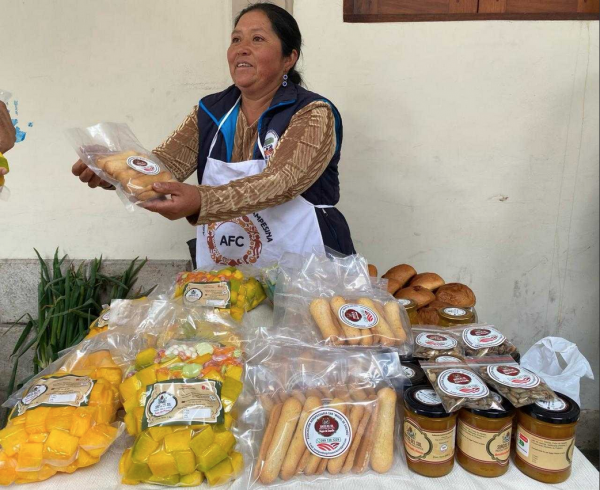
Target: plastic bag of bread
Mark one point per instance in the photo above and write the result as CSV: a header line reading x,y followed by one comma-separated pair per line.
x,y
459,386
232,290
314,413
63,419
333,301
179,393
431,341
112,152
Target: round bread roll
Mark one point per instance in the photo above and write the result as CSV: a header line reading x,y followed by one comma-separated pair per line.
x,y
401,273
456,294
429,314
429,280
393,286
373,271
420,295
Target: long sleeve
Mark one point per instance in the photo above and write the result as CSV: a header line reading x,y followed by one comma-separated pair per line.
x,y
303,153
179,152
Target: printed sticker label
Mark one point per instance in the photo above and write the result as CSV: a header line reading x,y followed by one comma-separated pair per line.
x,y
358,316
213,294
422,445
428,397
447,359
57,391
462,383
143,165
513,376
437,341
453,311
327,433
482,338
554,405
551,455
408,372
183,402
484,446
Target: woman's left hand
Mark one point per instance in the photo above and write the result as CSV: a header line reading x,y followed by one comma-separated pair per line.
x,y
184,202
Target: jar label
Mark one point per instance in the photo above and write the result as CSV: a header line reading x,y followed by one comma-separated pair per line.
x,y
482,337
327,433
462,383
212,294
428,446
358,316
183,402
484,446
143,165
554,405
514,376
408,372
453,311
428,397
551,455
437,341
57,391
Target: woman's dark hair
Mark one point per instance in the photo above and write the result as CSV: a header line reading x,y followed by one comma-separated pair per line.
x,y
286,28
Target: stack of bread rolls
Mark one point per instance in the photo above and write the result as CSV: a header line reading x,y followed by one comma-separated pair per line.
x,y
428,290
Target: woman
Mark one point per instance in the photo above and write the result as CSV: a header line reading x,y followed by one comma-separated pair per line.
x,y
266,153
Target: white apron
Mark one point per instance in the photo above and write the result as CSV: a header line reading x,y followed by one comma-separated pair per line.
x,y
260,238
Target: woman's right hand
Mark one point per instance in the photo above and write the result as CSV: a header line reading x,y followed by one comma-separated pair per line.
x,y
88,177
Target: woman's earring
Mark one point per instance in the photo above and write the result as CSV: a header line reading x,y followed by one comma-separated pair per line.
x,y
285,80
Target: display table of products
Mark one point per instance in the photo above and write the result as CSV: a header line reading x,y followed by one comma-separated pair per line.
x,y
105,475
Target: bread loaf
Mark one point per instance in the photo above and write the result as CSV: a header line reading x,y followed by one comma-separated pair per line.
x,y
456,294
420,295
429,280
401,273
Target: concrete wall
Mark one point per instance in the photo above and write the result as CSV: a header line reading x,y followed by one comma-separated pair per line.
x,y
471,149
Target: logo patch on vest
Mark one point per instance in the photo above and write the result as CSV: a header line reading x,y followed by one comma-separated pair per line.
x,y
234,242
270,143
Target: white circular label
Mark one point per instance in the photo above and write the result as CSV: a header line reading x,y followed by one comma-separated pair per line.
x,y
437,341
358,316
327,433
454,311
34,393
482,337
462,383
409,372
513,376
143,165
554,405
232,240
193,294
447,359
428,397
163,404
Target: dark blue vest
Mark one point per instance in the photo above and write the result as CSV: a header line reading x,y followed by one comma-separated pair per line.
x,y
287,102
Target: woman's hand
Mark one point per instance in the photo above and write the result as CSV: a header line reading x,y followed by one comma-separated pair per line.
x,y
184,202
8,134
88,177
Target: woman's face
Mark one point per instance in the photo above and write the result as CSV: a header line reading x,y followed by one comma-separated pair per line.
x,y
255,57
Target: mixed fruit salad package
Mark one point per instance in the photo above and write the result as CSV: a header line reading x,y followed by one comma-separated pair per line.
x,y
64,419
231,290
179,396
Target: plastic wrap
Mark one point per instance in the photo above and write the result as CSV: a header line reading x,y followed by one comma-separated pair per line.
x,y
431,342
112,152
458,385
179,393
481,339
518,385
312,413
64,419
333,301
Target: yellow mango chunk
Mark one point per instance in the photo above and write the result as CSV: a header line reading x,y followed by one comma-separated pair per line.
x,y
202,440
82,420
85,459
97,439
8,471
111,374
171,480
34,476
162,464
144,446
130,424
159,433
125,461
38,437
185,461
225,439
145,358
60,418
232,388
30,456
130,387
178,441
211,457
192,480
60,446
234,372
12,437
237,463
138,472
148,375
35,420
220,473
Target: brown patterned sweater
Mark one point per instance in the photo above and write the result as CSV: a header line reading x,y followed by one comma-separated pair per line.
x,y
301,156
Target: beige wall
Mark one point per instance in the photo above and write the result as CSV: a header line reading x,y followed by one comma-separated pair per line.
x,y
471,149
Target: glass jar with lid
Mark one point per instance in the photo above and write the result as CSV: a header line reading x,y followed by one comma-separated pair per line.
x,y
411,309
545,439
483,439
429,433
452,315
